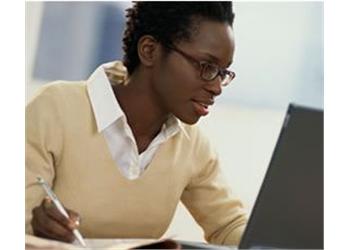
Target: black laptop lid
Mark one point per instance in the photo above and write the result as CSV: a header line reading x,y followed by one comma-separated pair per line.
x,y
288,212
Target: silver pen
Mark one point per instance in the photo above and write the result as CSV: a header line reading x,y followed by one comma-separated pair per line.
x,y
59,206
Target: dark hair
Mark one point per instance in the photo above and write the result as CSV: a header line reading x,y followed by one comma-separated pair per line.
x,y
168,22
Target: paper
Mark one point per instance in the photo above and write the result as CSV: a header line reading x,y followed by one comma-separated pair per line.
x,y
116,244
33,243
36,243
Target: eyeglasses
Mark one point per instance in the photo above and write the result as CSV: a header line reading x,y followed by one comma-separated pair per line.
x,y
208,71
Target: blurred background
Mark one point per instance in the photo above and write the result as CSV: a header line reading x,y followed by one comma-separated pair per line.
x,y
278,60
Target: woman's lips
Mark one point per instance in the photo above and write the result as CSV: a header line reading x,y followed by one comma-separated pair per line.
x,y
200,108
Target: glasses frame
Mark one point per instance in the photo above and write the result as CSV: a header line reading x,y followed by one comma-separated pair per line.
x,y
202,64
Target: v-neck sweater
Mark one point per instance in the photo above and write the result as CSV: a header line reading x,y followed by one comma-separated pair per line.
x,y
64,147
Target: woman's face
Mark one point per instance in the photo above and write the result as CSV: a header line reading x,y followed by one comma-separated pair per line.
x,y
178,85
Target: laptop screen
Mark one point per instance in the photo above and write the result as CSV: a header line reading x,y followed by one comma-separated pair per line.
x,y
288,212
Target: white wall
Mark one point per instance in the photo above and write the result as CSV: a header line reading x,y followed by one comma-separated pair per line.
x,y
279,54
33,12
279,59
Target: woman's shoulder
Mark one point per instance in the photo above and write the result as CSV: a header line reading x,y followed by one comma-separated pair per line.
x,y
58,91
57,99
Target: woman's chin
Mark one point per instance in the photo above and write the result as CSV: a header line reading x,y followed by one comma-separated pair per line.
x,y
189,119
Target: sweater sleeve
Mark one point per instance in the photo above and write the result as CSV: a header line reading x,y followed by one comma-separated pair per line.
x,y
43,145
210,201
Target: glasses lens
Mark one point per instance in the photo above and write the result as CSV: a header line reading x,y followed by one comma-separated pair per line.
x,y
228,78
209,71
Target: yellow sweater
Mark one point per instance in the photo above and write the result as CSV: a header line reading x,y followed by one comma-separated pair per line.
x,y
64,147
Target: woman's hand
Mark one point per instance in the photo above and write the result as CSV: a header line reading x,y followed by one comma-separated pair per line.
x,y
48,222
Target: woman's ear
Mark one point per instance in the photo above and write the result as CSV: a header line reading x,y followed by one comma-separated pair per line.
x,y
148,50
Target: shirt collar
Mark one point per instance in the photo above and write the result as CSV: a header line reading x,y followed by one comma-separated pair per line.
x,y
104,104
106,107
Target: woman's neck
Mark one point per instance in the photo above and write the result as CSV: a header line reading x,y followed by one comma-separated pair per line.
x,y
144,115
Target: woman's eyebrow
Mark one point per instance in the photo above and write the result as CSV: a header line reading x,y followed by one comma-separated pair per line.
x,y
212,58
215,59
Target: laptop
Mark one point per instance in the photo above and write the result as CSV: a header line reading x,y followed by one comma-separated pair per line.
x,y
288,212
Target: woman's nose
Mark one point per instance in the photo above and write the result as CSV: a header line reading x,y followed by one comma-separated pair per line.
x,y
215,86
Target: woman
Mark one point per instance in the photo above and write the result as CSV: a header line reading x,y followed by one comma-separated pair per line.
x,y
121,149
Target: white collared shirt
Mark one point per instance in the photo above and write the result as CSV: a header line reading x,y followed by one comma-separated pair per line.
x,y
112,122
